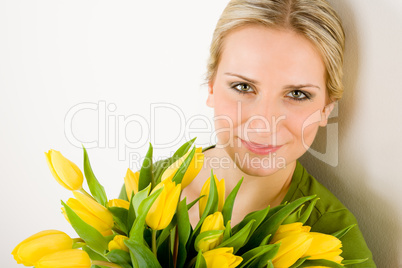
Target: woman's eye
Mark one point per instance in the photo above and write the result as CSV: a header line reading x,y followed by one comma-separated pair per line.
x,y
242,88
298,95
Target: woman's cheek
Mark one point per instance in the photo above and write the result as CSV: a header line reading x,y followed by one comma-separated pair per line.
x,y
305,128
225,121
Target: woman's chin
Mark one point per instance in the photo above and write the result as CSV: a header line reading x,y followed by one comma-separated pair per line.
x,y
260,166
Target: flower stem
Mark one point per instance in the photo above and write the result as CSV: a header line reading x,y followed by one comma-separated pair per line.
x,y
85,192
154,250
78,243
107,264
176,247
176,239
192,262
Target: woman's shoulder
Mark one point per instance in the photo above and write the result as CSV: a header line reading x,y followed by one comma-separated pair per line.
x,y
304,184
330,215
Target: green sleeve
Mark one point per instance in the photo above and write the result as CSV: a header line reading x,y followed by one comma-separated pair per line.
x,y
353,244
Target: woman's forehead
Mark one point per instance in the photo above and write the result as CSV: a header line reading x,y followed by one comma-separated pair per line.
x,y
259,51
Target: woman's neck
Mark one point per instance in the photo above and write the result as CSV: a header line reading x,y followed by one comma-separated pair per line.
x,y
255,193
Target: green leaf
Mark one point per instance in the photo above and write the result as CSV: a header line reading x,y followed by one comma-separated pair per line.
x,y
183,222
269,264
123,193
344,231
162,165
166,232
229,202
146,175
194,202
207,235
183,149
325,263
182,255
304,217
165,257
120,217
137,231
94,255
258,216
178,176
266,259
356,261
238,239
89,234
258,252
273,210
272,224
131,214
120,257
212,202
141,255
265,241
97,190
228,232
294,217
139,197
200,261
299,262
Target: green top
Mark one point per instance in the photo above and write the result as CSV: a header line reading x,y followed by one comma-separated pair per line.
x,y
329,215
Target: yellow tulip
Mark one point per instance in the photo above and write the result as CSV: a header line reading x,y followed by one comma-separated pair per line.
x,y
220,185
131,181
66,173
70,258
289,229
91,212
164,207
221,257
292,248
324,246
119,203
118,243
192,171
29,251
212,222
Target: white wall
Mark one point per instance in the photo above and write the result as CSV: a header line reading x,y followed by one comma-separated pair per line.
x,y
60,59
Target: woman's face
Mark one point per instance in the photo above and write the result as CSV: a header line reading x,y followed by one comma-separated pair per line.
x,y
269,98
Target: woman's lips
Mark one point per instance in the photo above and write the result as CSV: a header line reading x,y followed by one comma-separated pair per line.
x,y
261,149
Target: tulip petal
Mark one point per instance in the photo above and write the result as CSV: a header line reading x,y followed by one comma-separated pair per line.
x,y
194,168
293,245
323,243
99,211
36,246
119,203
131,181
221,192
53,171
291,250
67,171
155,212
170,205
65,259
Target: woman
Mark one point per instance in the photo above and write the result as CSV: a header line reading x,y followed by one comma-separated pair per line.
x,y
274,74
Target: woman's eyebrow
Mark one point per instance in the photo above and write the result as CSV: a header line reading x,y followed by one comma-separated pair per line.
x,y
244,78
300,86
285,87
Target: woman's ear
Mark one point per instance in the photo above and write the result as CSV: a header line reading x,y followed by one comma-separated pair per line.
x,y
325,113
210,99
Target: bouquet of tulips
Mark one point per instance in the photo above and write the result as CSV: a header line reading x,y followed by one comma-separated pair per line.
x,y
148,226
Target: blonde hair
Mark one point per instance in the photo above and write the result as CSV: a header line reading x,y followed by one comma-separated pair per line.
x,y
314,19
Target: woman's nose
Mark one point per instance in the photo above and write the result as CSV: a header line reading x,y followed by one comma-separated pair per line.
x,y
264,121
265,115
